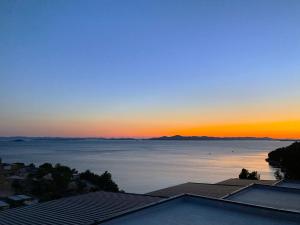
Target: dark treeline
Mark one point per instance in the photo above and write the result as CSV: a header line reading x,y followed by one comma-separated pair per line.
x,y
48,182
287,160
245,174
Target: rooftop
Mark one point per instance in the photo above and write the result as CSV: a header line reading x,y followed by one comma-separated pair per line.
x,y
289,183
15,177
24,197
19,197
3,204
244,182
269,196
14,198
82,209
209,190
246,202
190,210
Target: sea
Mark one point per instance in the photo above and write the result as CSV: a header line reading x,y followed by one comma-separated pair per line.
x,y
142,166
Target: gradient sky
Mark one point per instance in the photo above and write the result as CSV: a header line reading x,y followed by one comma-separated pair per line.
x,y
142,68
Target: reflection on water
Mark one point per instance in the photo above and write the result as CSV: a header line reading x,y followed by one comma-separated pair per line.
x,y
143,166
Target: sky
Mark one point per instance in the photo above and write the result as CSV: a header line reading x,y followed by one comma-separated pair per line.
x,y
143,68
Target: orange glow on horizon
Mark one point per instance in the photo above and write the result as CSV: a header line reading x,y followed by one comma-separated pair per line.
x,y
278,129
139,129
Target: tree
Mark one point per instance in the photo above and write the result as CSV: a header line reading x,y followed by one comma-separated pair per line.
x,y
278,175
103,182
49,182
56,187
245,174
287,159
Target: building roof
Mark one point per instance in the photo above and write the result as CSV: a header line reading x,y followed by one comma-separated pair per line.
x,y
24,197
195,210
15,198
15,177
208,190
289,183
82,209
269,196
19,197
3,204
245,182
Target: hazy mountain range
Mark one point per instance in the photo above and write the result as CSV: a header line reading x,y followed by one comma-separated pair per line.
x,y
162,138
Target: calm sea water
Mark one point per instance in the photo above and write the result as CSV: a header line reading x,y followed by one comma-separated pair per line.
x,y
144,166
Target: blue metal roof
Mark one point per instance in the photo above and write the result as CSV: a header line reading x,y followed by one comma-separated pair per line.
x,y
3,204
269,196
77,210
15,198
196,210
19,197
24,197
289,183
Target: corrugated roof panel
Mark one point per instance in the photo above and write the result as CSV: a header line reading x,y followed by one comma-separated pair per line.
x,y
246,182
82,209
208,190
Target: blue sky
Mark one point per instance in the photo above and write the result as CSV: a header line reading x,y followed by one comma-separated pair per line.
x,y
145,61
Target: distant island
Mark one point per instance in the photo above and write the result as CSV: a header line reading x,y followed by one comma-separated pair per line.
x,y
162,138
207,138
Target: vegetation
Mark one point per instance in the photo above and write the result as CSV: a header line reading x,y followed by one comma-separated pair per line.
x,y
51,182
287,159
103,182
245,174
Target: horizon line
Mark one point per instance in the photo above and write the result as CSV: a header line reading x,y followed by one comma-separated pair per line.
x,y
151,137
